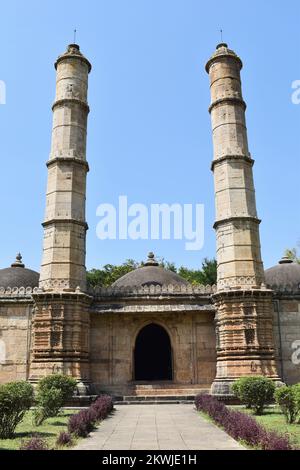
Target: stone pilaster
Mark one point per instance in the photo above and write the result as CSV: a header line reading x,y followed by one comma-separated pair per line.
x,y
245,344
63,262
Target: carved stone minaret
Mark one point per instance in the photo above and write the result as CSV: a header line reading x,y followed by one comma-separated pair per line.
x,y
61,319
244,306
63,263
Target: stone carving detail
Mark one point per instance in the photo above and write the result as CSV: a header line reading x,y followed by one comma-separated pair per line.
x,y
152,290
148,290
238,281
18,291
56,284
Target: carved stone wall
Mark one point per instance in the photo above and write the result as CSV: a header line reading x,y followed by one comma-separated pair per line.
x,y
287,336
15,331
192,336
245,332
61,329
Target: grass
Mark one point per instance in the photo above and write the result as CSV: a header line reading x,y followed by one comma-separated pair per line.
x,y
274,420
48,431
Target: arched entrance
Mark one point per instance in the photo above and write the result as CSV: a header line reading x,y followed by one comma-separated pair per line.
x,y
153,354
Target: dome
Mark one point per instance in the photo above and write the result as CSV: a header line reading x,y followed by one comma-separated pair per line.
x,y
150,274
18,276
286,273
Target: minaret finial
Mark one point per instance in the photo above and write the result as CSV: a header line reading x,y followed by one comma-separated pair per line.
x,y
75,33
18,263
151,261
221,32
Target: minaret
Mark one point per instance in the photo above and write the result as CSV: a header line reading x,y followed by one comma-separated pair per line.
x,y
61,320
244,306
63,262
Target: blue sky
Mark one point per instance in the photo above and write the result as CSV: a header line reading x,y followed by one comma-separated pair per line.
x,y
149,133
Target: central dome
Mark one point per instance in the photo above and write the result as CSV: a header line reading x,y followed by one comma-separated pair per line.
x,y
150,274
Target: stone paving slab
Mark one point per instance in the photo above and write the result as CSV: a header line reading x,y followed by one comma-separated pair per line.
x,y
157,427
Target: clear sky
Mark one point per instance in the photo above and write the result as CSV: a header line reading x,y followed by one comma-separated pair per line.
x,y
149,134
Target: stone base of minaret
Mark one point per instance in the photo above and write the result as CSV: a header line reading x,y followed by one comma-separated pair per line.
x,y
60,343
245,344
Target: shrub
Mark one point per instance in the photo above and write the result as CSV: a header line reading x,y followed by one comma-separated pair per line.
x,y
61,382
15,399
241,426
82,423
274,441
64,439
35,443
288,399
296,389
48,405
52,392
254,392
102,407
239,389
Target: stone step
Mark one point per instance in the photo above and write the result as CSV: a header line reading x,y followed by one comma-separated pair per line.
x,y
157,398
155,402
154,399
166,392
164,385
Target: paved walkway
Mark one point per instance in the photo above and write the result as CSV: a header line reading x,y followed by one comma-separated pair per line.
x,y
154,427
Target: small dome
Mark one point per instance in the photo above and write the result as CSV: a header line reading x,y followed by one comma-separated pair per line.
x,y
18,276
150,274
286,274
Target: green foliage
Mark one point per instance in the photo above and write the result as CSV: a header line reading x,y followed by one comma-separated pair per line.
x,y
240,390
205,276
254,392
288,399
292,254
64,383
15,399
49,403
52,392
110,273
106,276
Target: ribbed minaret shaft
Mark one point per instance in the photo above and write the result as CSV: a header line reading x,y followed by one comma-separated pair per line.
x,y
63,261
61,321
237,225
244,317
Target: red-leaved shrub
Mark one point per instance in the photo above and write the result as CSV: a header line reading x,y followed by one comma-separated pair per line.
x,y
102,407
241,426
35,443
64,439
82,423
274,441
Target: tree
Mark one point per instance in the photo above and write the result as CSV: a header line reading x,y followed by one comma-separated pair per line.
x,y
292,253
205,276
110,273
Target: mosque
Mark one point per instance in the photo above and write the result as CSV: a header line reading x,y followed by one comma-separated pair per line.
x,y
151,333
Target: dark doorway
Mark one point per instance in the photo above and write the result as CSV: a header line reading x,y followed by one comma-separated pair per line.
x,y
153,354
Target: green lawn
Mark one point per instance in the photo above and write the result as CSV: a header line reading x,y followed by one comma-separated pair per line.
x,y
274,420
49,430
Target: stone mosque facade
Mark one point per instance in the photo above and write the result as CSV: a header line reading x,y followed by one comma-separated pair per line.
x,y
151,331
